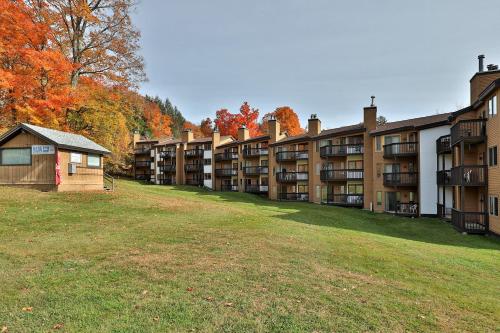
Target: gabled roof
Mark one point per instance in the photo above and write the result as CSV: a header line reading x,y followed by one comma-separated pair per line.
x,y
60,139
341,130
168,142
238,142
292,139
413,124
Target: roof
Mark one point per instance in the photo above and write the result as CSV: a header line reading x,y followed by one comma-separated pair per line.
x,y
254,139
147,141
292,139
341,130
486,92
169,141
413,124
60,139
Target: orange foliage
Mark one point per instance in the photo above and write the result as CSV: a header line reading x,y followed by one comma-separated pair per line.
x,y
206,127
289,120
158,123
228,123
197,133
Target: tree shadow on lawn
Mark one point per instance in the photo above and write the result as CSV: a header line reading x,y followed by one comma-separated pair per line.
x,y
428,230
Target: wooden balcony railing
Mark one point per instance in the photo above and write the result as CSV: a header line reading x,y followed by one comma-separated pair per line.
x,y
291,177
443,212
304,196
229,188
471,131
256,188
193,168
296,155
341,150
341,174
167,181
168,168
401,179
229,156
401,149
345,200
470,222
469,175
193,153
443,177
407,209
255,170
226,172
254,152
443,144
142,150
168,154
142,164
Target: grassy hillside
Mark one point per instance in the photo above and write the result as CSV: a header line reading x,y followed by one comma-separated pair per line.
x,y
154,258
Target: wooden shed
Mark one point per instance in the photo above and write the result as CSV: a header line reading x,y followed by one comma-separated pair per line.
x,y
50,160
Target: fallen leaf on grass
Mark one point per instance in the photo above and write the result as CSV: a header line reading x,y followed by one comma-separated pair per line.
x,y
228,304
28,309
5,329
209,298
58,326
189,289
144,292
156,318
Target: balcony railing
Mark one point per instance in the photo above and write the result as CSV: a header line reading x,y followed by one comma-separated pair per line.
x,y
255,170
345,200
143,177
229,188
193,168
401,179
341,174
255,188
471,131
194,182
168,154
143,150
229,156
226,172
470,175
443,144
167,181
303,196
443,177
443,212
407,208
291,177
341,150
296,155
168,168
400,149
253,152
470,222
142,164
193,153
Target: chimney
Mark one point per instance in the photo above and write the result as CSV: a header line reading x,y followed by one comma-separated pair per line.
x,y
273,127
215,138
313,125
187,135
492,67
137,138
243,133
370,116
481,63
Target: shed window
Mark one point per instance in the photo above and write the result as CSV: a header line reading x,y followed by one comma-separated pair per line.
x,y
15,156
94,161
76,158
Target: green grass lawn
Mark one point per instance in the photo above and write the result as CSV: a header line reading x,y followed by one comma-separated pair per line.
x,y
157,259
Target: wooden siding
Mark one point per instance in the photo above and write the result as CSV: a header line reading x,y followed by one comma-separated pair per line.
x,y
85,179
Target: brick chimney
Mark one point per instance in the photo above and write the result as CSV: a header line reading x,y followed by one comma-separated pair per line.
x,y
370,116
137,138
274,129
313,125
187,136
243,134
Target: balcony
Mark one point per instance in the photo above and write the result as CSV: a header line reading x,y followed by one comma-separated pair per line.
x,y
291,177
255,170
470,222
255,152
198,168
168,181
345,200
193,153
194,182
142,164
443,212
443,144
229,188
168,168
290,156
255,188
304,196
226,172
143,177
409,209
401,149
341,150
168,154
142,151
469,131
230,156
469,175
329,175
443,177
401,179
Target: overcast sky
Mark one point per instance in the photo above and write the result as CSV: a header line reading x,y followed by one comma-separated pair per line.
x,y
318,56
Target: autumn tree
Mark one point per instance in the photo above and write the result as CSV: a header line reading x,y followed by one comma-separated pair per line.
x,y
197,133
288,119
228,123
206,127
97,36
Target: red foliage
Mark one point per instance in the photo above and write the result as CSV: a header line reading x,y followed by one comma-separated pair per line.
x,y
288,119
228,123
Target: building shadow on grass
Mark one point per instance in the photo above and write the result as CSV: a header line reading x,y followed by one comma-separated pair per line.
x,y
428,230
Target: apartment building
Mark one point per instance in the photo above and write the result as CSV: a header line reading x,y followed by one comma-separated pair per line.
x,y
143,167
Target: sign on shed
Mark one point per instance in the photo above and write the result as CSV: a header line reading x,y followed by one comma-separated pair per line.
x,y
42,150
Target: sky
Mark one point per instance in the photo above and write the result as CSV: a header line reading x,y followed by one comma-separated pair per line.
x,y
325,57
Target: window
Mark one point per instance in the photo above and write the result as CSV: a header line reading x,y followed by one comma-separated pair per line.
x,y
378,143
492,106
493,205
412,196
492,156
75,158
15,156
207,161
379,198
94,161
208,176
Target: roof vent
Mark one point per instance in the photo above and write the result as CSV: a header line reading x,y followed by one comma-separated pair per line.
x,y
314,116
481,62
373,101
492,67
